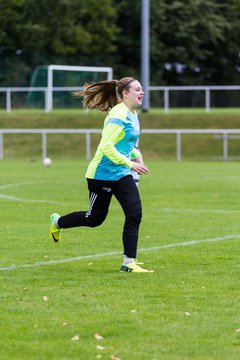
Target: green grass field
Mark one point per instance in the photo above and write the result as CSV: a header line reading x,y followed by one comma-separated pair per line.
x,y
57,299
152,111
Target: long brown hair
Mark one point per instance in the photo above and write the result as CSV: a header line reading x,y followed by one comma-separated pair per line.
x,y
104,95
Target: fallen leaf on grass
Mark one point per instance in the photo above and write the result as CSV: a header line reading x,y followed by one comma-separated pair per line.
x,y
187,313
113,357
98,336
133,311
99,347
75,338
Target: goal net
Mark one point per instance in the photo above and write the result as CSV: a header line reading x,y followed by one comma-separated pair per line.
x,y
59,81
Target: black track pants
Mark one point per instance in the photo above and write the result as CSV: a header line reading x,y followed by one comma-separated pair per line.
x,y
100,194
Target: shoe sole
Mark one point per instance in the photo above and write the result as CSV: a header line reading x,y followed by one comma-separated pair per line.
x,y
128,270
52,232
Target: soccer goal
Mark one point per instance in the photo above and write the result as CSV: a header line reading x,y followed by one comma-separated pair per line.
x,y
61,80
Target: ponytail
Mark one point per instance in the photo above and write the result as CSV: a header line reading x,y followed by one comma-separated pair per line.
x,y
103,95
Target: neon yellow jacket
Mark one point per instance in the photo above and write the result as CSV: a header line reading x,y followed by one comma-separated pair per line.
x,y
120,133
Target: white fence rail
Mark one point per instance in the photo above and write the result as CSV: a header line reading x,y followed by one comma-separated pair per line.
x,y
206,89
45,90
222,134
166,91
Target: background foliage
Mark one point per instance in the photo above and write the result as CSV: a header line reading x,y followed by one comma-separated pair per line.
x,y
192,41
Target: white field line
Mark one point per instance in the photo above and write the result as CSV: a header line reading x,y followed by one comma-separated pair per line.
x,y
25,183
220,211
200,210
113,253
15,198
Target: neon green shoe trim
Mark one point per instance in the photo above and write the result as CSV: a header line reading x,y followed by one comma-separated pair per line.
x,y
133,267
139,262
55,232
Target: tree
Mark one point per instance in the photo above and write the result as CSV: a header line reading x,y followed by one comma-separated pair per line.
x,y
195,41
69,32
128,42
192,41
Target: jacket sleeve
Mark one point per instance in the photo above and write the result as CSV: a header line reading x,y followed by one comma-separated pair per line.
x,y
112,133
135,153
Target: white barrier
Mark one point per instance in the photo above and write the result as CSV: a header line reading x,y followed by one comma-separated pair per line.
x,y
224,134
166,90
206,89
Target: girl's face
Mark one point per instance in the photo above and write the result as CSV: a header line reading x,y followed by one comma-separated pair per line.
x,y
134,95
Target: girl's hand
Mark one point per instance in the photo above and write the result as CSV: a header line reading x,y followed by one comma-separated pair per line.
x,y
140,168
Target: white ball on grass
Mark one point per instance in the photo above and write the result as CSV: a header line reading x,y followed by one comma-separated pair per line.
x,y
47,162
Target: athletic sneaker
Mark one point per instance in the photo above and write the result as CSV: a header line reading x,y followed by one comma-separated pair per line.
x,y
55,232
138,262
133,267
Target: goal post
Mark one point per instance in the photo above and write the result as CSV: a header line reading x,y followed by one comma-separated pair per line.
x,y
52,68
